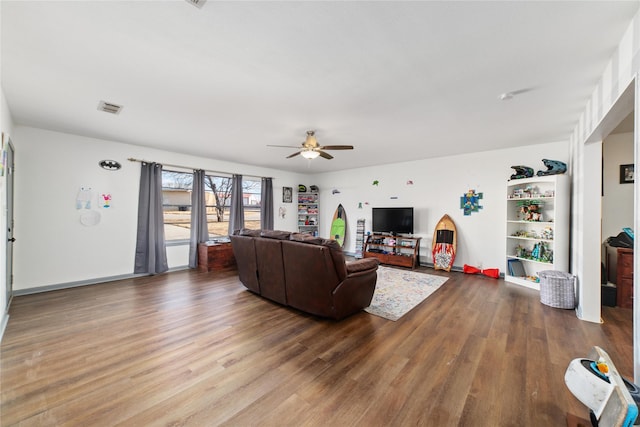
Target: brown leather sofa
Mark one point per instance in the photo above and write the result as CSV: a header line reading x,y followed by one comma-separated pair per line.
x,y
304,272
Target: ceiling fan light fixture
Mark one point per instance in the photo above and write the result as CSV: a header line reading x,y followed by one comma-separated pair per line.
x,y
311,139
309,154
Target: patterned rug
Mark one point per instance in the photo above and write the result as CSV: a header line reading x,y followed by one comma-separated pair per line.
x,y
398,291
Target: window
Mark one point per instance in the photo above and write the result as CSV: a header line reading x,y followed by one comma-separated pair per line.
x,y
251,200
176,203
218,198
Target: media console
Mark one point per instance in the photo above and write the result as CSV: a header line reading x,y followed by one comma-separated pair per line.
x,y
393,250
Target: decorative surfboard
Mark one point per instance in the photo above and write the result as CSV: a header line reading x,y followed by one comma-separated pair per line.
x,y
339,225
443,247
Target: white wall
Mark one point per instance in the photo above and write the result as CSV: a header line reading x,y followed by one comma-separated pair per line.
x,y
437,187
617,202
53,248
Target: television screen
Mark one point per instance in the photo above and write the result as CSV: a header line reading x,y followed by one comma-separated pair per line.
x,y
392,220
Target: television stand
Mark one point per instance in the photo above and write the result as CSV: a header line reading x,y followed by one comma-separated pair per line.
x,y
393,250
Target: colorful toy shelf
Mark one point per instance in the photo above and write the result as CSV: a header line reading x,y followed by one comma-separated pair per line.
x,y
537,225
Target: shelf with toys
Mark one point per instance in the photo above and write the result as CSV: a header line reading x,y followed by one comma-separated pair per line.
x,y
308,212
537,235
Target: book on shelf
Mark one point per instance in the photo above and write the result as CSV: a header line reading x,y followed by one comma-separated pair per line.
x,y
516,268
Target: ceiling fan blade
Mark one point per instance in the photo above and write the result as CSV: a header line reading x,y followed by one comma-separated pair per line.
x,y
283,146
336,147
293,155
524,90
325,155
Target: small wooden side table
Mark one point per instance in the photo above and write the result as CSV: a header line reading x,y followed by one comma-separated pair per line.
x,y
214,256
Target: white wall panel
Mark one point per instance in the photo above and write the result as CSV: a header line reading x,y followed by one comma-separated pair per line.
x,y
53,247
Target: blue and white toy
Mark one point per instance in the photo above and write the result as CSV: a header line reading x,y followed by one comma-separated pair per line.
x,y
596,383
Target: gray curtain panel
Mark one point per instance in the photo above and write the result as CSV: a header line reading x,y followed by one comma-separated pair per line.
x,y
199,229
151,252
266,204
236,213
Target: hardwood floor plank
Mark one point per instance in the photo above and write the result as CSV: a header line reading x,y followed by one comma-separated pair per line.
x,y
191,348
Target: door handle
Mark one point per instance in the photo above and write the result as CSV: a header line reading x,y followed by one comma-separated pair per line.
x,y
13,239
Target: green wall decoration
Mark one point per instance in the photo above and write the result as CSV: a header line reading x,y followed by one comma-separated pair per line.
x,y
470,202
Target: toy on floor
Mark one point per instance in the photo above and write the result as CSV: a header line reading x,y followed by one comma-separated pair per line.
x,y
595,381
489,272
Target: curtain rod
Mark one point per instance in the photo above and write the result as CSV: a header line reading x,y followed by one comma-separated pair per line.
x,y
131,159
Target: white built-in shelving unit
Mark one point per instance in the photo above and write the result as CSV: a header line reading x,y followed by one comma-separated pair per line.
x,y
308,213
537,227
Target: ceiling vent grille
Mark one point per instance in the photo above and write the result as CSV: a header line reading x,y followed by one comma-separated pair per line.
x,y
196,3
109,107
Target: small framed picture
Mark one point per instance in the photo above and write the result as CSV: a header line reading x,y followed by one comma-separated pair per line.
x,y
287,194
626,174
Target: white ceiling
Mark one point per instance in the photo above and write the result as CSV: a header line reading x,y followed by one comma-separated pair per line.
x,y
398,80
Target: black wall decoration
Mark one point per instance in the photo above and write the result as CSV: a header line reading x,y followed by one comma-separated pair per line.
x,y
110,165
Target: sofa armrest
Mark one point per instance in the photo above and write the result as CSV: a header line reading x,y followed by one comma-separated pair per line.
x,y
355,292
360,265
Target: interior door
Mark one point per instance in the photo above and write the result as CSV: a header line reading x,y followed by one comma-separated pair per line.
x,y
10,239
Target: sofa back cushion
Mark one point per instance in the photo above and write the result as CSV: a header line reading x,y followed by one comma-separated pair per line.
x,y
247,232
271,269
245,253
276,234
310,277
339,263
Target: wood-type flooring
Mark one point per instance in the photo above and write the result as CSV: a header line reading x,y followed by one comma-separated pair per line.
x,y
197,349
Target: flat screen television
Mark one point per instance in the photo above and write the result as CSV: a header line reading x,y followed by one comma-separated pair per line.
x,y
392,220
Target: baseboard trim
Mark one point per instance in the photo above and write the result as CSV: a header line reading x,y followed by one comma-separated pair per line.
x,y
87,282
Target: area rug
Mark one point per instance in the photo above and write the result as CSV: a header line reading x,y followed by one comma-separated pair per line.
x,y
398,291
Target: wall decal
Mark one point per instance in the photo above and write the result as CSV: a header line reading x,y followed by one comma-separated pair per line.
x,y
470,202
110,165
105,200
83,199
90,218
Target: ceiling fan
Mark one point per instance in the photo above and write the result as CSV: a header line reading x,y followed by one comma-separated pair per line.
x,y
311,149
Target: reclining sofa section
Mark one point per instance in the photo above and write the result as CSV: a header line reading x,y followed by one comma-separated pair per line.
x,y
304,272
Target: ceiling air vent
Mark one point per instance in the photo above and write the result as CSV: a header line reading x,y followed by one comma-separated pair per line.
x,y
109,107
196,3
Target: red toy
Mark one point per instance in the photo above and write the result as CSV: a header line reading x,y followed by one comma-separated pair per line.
x,y
489,272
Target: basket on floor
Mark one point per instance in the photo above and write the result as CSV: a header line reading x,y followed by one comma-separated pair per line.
x,y
557,289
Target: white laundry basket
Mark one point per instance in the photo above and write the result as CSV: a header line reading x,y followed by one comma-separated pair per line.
x,y
557,289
